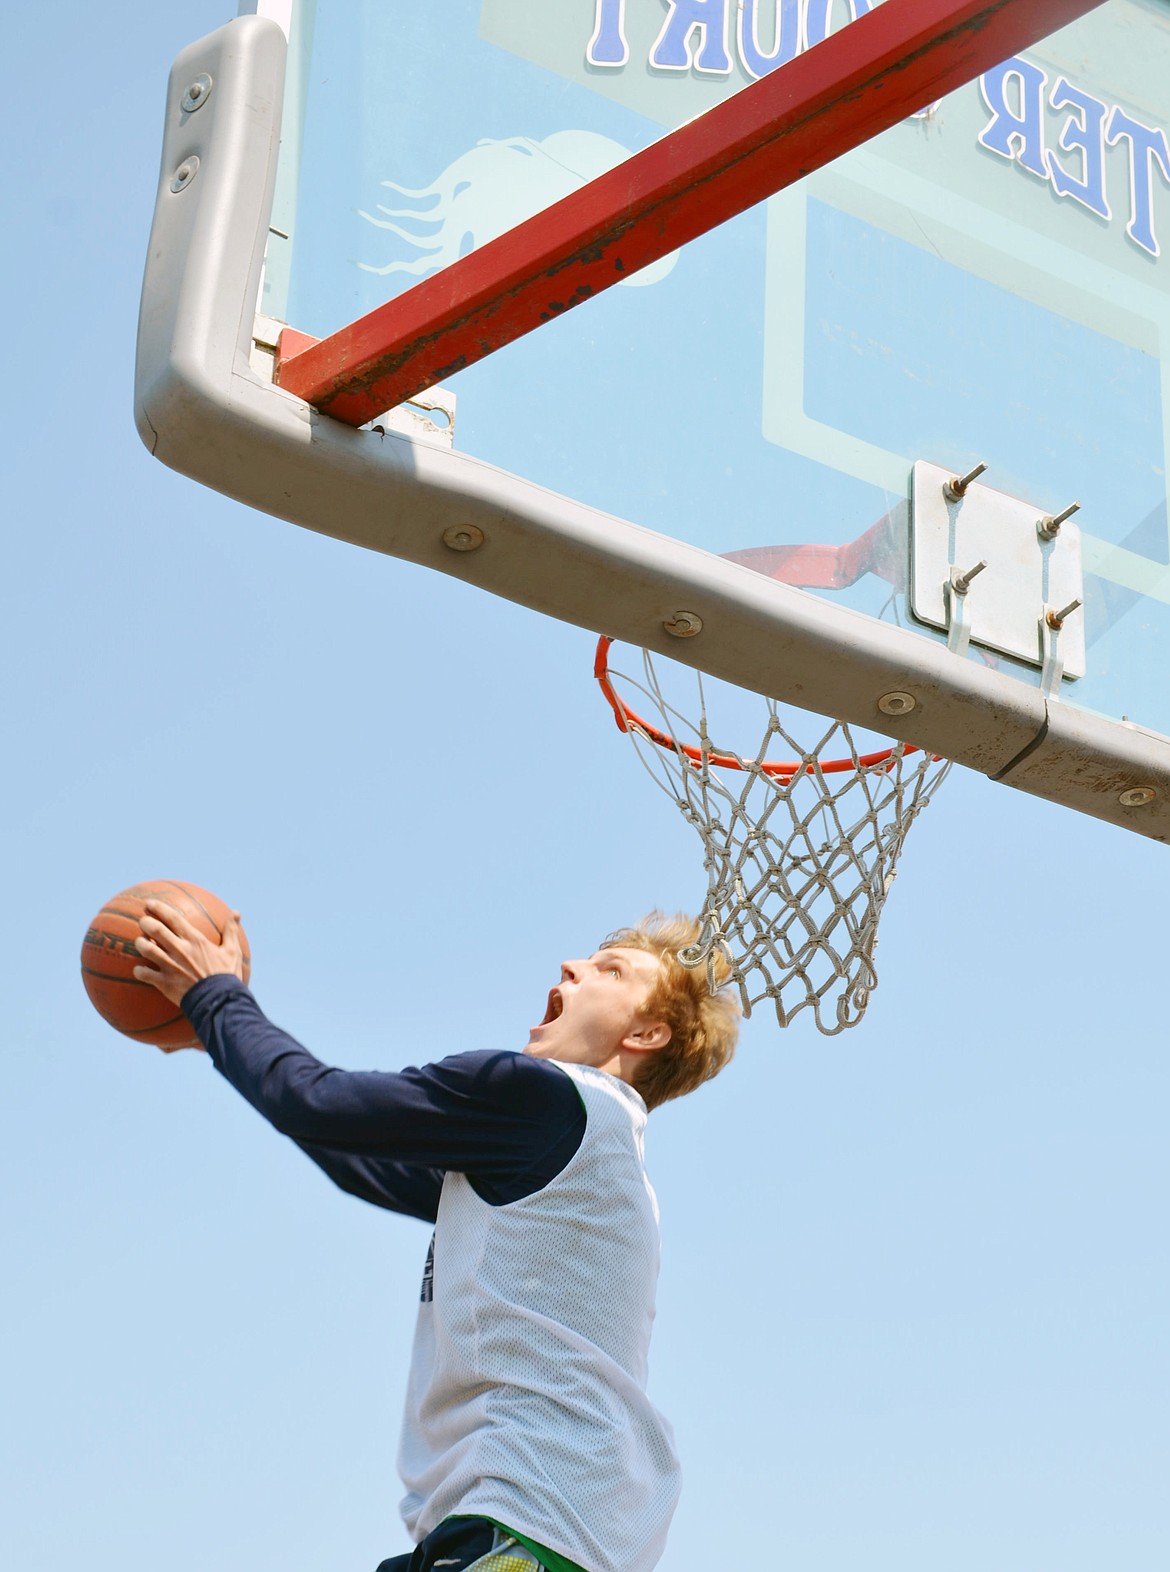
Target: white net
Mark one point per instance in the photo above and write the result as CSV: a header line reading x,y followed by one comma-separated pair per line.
x,y
799,853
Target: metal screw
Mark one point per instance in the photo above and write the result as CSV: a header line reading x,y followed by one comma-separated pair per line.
x,y
185,173
196,95
956,488
1137,796
1048,528
1055,619
684,625
463,537
961,582
897,703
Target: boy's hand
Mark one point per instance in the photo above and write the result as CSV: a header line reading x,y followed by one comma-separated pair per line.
x,y
177,955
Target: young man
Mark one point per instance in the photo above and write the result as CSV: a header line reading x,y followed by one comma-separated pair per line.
x,y
528,1439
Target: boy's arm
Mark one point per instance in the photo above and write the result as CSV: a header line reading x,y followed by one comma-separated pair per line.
x,y
509,1122
399,1187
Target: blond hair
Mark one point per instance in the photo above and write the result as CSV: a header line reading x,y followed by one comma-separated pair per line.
x,y
704,1023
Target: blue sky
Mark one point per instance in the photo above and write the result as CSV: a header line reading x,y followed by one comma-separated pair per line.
x,y
915,1299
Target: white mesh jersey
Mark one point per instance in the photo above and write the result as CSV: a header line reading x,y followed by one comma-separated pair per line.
x,y
527,1395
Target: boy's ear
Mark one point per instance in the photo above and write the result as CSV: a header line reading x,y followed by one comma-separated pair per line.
x,y
647,1037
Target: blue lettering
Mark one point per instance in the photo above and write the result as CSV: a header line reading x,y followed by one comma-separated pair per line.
x,y
785,36
672,48
819,15
1086,135
694,36
608,46
1016,134
1146,144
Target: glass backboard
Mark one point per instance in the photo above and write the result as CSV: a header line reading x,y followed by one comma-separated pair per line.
x,y
888,446
980,284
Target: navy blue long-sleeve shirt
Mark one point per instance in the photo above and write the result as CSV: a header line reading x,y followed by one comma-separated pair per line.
x,y
507,1121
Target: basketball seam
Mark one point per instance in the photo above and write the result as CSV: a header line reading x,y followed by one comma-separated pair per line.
x,y
141,1031
138,1031
130,982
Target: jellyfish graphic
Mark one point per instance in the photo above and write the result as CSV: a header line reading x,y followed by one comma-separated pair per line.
x,y
489,189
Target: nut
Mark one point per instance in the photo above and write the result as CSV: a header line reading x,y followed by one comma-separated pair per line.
x,y
1137,796
196,95
897,703
463,537
185,173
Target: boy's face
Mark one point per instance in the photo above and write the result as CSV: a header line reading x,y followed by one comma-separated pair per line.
x,y
594,1012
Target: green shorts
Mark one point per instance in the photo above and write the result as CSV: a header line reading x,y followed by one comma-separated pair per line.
x,y
476,1544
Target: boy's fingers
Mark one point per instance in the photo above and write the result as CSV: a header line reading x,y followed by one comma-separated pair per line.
x,y
171,918
151,951
164,939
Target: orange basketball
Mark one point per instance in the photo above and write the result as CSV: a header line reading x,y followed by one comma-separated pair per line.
x,y
109,955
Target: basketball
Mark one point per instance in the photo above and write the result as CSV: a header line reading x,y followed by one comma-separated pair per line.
x,y
109,955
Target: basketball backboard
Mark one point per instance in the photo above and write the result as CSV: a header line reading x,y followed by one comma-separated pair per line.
x,y
980,284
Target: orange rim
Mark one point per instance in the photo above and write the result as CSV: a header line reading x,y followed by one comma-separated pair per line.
x,y
781,769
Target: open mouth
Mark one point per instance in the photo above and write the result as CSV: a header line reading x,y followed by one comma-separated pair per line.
x,y
555,1006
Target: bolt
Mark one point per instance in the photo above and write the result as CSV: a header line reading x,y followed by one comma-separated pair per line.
x,y
684,625
1137,796
961,582
185,173
196,95
897,703
463,537
956,488
1048,528
1055,619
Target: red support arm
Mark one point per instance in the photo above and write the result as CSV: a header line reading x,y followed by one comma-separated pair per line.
x,y
857,83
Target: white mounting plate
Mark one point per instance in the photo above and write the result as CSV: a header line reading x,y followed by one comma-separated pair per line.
x,y
1026,577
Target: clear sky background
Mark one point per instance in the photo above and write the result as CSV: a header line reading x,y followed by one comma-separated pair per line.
x,y
915,1303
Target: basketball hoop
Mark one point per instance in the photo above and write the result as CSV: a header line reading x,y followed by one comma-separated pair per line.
x,y
799,853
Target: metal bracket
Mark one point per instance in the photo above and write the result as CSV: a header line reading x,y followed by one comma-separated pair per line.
x,y
955,595
1052,641
1028,559
1052,660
